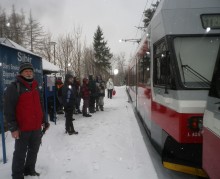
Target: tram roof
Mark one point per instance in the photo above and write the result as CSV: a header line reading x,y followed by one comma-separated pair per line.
x,y
175,17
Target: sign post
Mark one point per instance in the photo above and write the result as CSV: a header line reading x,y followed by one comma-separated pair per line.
x,y
3,138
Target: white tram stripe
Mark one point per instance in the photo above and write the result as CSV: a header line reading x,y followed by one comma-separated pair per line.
x,y
181,106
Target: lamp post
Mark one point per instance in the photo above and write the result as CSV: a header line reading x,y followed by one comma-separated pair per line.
x,y
68,66
54,44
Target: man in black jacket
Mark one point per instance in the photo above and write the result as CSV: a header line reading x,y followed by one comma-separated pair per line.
x,y
69,99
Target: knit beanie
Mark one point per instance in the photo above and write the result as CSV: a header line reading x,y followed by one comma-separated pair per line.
x,y
24,66
67,77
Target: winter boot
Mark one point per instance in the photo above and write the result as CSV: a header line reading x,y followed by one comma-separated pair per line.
x,y
71,130
101,107
92,110
79,112
31,173
86,115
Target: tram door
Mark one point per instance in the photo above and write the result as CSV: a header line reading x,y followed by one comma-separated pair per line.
x,y
211,135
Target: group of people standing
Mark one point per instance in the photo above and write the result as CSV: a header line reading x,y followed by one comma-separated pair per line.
x,y
92,92
25,115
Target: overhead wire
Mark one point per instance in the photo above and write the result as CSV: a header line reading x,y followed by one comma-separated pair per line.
x,y
141,17
146,5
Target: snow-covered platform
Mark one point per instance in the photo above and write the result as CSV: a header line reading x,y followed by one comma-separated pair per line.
x,y
110,145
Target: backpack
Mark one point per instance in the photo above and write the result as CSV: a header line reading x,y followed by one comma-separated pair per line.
x,y
59,89
17,85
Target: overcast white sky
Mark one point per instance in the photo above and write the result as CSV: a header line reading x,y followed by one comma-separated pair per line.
x,y
117,18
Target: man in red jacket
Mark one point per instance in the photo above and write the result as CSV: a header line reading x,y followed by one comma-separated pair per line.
x,y
24,113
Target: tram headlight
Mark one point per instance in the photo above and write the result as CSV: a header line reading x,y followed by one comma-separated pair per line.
x,y
195,123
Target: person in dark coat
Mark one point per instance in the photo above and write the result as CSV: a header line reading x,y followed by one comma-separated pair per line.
x,y
85,93
101,93
76,83
24,113
59,102
69,98
93,94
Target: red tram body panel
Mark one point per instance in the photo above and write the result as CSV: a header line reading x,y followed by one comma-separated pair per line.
x,y
175,124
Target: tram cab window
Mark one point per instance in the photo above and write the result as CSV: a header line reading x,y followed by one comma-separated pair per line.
x,y
162,73
196,57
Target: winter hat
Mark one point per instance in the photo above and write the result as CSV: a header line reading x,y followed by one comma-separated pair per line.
x,y
85,80
24,66
67,77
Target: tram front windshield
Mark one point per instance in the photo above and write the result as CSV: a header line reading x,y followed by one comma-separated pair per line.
x,y
196,57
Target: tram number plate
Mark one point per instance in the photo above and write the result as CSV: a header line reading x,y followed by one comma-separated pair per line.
x,y
194,134
211,20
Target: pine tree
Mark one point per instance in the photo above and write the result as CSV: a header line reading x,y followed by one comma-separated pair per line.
x,y
101,50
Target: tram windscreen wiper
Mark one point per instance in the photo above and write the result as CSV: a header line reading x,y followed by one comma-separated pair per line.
x,y
198,75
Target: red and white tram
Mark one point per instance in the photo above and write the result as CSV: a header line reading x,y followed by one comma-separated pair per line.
x,y
169,80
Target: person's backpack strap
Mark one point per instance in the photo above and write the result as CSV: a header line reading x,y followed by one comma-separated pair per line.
x,y
18,87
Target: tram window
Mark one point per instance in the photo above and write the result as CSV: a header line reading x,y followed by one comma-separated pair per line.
x,y
144,69
196,57
132,78
160,71
161,65
160,48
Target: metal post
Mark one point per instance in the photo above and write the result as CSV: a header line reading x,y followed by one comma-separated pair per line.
x,y
54,104
45,97
3,138
54,54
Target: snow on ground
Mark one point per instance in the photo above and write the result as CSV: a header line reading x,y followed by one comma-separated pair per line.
x,y
109,146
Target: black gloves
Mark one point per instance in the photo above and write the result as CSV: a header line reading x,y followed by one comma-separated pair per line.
x,y
45,125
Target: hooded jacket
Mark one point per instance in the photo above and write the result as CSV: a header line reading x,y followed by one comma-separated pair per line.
x,y
23,109
92,87
85,92
110,84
